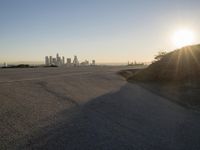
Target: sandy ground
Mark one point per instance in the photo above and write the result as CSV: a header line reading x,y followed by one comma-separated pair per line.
x,y
89,108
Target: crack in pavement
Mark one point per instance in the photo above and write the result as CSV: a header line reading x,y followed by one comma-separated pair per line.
x,y
56,94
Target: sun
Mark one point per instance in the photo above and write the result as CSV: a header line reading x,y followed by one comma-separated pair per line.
x,y
183,37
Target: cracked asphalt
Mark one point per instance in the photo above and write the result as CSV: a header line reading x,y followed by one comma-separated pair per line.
x,y
89,108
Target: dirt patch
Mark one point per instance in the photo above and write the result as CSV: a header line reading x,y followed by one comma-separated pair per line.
x,y
185,94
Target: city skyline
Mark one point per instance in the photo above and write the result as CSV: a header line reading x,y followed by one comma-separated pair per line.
x,y
67,61
112,31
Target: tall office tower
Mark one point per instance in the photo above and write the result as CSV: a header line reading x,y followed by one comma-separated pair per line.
x,y
59,61
69,61
75,61
63,60
54,61
5,64
57,56
93,62
47,61
51,60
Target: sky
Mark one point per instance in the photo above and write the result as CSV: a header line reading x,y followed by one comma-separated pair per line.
x,y
105,30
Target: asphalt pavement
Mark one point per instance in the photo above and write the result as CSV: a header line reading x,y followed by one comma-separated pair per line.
x,y
87,109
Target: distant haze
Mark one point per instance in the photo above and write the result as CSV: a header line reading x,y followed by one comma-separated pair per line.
x,y
42,62
109,31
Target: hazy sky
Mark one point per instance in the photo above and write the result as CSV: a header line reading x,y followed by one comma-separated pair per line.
x,y
105,30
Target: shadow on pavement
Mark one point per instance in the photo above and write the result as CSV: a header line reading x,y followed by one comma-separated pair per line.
x,y
120,121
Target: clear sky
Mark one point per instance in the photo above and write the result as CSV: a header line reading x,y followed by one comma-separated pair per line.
x,y
105,30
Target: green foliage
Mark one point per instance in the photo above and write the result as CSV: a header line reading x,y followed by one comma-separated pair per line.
x,y
181,65
160,55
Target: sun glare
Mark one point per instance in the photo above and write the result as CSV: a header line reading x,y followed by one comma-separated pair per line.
x,y
183,37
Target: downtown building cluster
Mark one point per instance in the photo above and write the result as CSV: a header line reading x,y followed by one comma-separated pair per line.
x,y
60,61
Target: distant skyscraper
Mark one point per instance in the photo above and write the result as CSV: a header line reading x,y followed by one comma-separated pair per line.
x,y
75,61
54,61
57,56
69,62
51,60
93,62
47,61
58,60
5,64
63,60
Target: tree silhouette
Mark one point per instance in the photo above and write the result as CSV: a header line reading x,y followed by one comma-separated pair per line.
x,y
160,55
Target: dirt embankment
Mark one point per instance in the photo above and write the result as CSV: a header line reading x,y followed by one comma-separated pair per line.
x,y
175,76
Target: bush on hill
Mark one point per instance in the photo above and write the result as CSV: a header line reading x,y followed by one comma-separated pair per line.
x,y
182,65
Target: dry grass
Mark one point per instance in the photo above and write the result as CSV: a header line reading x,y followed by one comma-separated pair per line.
x,y
176,76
